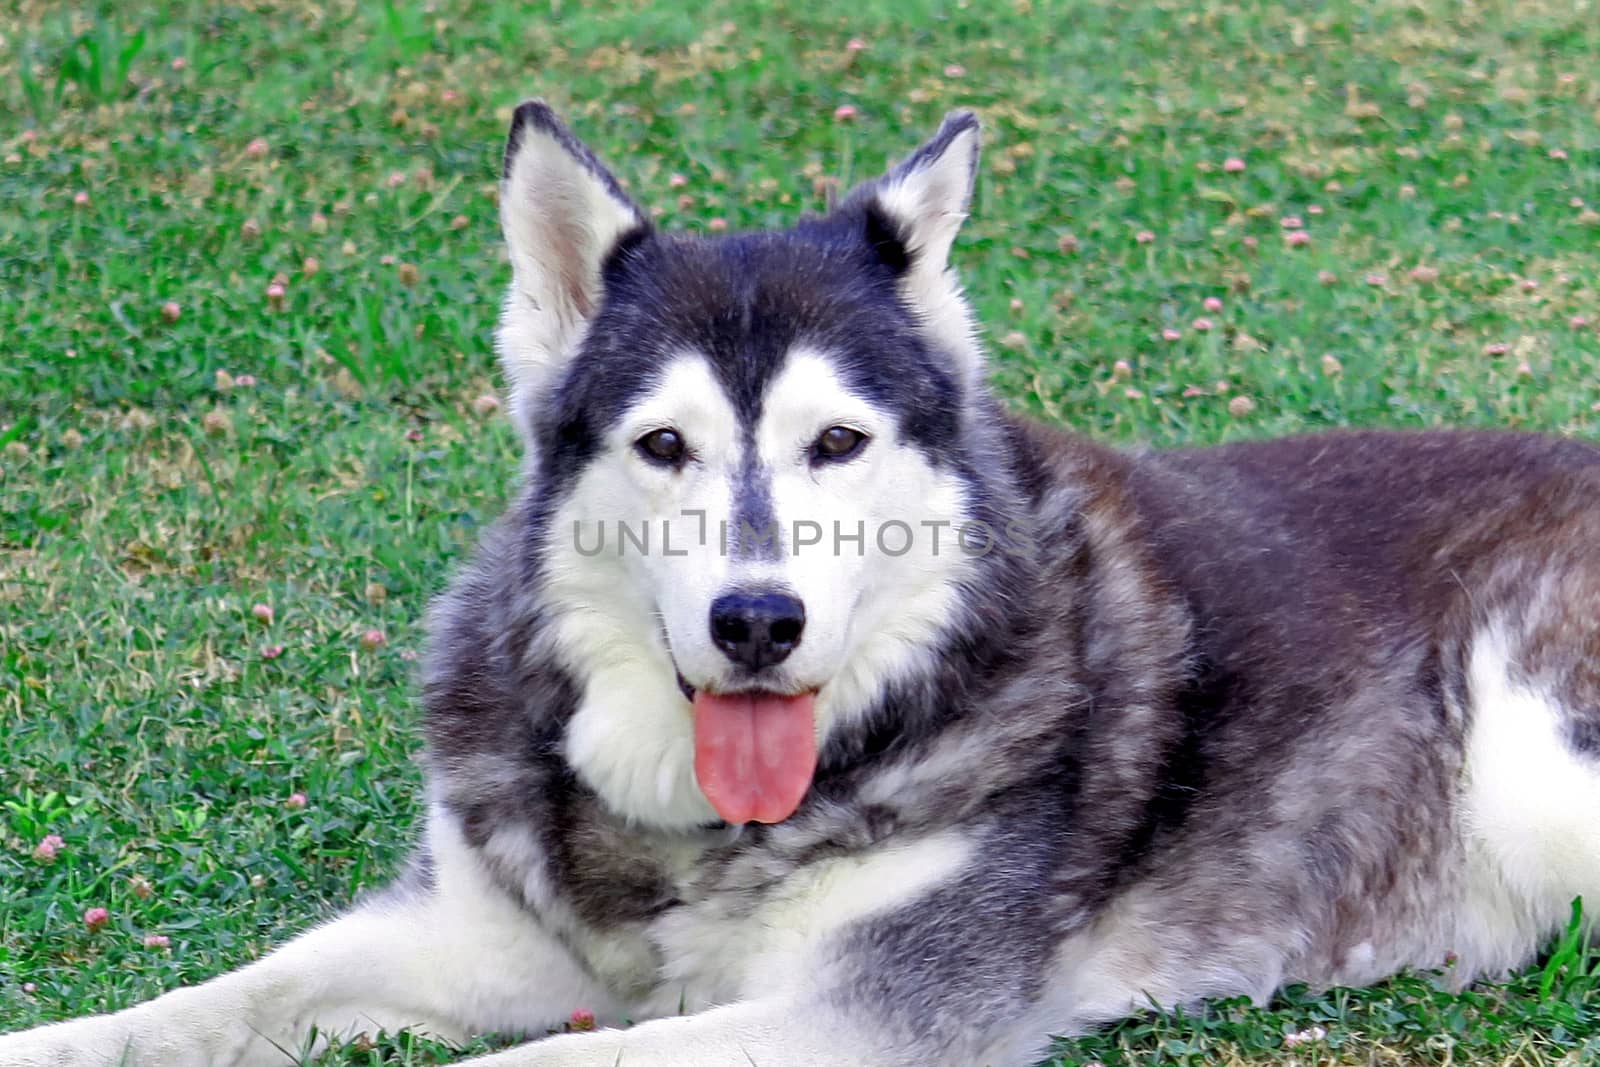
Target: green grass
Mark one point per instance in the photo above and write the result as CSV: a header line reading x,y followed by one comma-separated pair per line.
x,y
148,498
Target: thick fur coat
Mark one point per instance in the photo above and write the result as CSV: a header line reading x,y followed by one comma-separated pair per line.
x,y
1186,724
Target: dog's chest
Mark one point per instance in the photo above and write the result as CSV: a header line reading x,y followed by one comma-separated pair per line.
x,y
749,927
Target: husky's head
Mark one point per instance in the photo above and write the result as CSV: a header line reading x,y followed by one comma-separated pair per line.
x,y
755,463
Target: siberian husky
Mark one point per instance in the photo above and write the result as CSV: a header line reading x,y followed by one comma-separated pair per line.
x,y
808,707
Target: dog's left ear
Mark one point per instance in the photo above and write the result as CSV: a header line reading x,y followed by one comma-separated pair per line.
x,y
564,216
911,217
926,196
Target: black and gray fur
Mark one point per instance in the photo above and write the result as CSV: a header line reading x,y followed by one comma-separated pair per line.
x,y
1228,682
1209,734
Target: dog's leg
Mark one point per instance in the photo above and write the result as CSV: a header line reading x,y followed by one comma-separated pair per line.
x,y
451,959
763,1033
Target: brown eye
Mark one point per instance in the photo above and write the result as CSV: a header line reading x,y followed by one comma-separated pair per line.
x,y
662,446
837,443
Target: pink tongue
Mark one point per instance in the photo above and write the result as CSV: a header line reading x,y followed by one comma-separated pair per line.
x,y
754,754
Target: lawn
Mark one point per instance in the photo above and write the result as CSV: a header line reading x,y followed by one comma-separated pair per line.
x,y
249,266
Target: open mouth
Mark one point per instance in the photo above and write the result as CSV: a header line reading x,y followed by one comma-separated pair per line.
x,y
755,752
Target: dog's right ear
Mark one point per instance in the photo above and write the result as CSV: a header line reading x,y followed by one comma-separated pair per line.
x,y
563,215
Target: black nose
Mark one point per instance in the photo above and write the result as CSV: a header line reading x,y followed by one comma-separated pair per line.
x,y
757,630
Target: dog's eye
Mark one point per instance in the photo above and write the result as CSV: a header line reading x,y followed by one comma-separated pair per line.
x,y
665,447
837,443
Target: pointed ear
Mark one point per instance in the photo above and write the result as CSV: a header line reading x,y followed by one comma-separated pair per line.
x,y
926,197
911,217
563,215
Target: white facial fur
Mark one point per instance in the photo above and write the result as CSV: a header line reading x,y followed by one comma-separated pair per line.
x,y
627,620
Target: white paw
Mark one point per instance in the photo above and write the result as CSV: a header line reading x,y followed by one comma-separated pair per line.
x,y
603,1048
649,1045
62,1045
131,1040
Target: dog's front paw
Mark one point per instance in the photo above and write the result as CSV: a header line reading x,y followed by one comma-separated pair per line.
x,y
127,1039
82,1043
647,1046
601,1048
